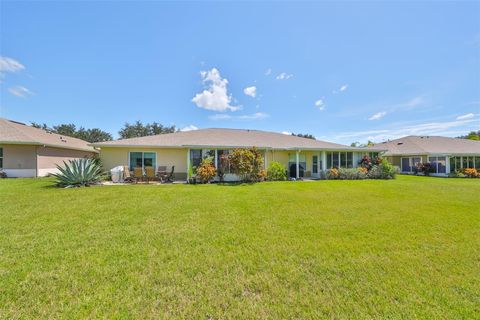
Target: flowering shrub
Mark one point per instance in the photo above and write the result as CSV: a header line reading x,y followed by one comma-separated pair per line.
x,y
425,168
247,164
206,170
368,162
276,172
352,174
471,173
332,174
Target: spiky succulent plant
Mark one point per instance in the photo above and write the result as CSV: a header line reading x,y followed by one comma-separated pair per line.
x,y
78,173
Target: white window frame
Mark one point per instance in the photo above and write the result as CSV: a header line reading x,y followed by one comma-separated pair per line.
x,y
1,157
143,157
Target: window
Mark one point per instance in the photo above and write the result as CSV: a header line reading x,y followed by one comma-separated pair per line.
x,y
477,163
220,156
408,164
452,164
339,160
1,158
143,159
439,164
195,157
315,164
349,159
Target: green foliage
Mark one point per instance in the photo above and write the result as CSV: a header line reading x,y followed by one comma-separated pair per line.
x,y
78,173
351,174
138,129
247,164
276,172
473,135
206,170
70,130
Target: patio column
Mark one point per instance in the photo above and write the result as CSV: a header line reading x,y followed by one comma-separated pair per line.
x,y
319,159
216,158
447,164
188,163
324,161
297,173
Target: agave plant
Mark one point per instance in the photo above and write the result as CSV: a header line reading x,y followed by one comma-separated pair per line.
x,y
78,173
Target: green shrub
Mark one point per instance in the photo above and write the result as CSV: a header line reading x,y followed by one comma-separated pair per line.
x,y
79,173
456,174
247,164
351,174
206,170
276,172
332,174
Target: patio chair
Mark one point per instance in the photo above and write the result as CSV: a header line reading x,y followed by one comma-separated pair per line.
x,y
162,173
169,178
127,177
137,174
149,173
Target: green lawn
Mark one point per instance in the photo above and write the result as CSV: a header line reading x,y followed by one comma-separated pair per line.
x,y
327,249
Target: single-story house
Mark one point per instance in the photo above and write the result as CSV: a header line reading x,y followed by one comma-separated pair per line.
x,y
301,156
446,154
26,151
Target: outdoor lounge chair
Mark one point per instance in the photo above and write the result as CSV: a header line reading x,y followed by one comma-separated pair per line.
x,y
137,174
149,173
162,173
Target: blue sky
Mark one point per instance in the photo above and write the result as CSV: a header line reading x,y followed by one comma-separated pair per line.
x,y
342,71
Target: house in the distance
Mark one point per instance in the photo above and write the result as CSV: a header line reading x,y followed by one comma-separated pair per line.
x,y
26,151
185,150
446,154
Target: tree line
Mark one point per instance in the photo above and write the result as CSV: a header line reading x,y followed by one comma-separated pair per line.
x,y
137,129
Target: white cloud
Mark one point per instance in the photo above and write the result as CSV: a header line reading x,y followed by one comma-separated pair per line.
x,y
288,133
20,91
189,128
341,89
215,97
10,65
446,128
414,102
466,116
320,104
253,116
268,72
378,115
250,91
283,76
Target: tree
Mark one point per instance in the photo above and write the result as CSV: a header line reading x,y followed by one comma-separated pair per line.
x,y
304,135
70,130
472,135
138,129
362,145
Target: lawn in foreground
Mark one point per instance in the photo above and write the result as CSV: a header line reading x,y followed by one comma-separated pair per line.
x,y
344,249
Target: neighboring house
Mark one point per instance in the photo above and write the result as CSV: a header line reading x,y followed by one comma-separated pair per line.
x,y
446,154
185,150
26,151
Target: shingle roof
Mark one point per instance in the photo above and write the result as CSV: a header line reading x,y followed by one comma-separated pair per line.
x,y
12,132
228,138
418,145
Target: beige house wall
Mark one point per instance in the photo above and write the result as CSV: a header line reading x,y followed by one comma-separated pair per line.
x,y
113,157
17,156
48,158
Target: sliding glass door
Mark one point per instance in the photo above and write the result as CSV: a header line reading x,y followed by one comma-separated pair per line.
x,y
142,160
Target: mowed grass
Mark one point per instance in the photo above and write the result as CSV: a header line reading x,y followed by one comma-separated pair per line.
x,y
408,248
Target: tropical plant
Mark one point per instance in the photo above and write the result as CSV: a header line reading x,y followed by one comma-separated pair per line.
x,y
223,166
332,174
352,174
425,168
78,173
247,164
206,171
276,172
471,173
